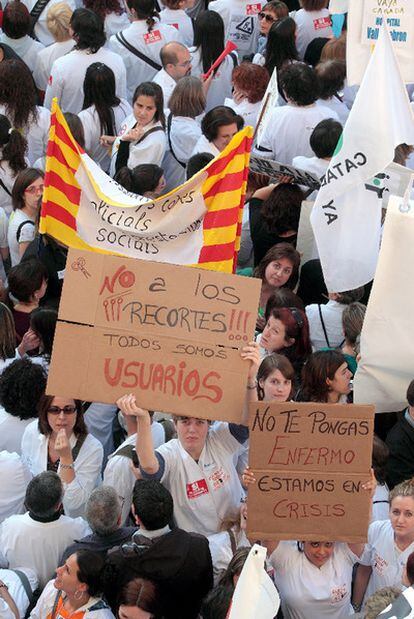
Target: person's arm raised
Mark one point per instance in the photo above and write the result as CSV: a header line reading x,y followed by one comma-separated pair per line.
x,y
144,446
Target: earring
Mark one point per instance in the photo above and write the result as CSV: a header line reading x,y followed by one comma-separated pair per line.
x,y
78,595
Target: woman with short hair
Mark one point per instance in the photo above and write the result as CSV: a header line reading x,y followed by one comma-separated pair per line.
x,y
249,86
16,28
218,127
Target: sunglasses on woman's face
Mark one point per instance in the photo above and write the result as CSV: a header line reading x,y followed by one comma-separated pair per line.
x,y
266,16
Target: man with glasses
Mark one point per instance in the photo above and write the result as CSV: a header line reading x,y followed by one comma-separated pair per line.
x,y
176,63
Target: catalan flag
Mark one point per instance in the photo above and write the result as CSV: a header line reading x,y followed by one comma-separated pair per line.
x,y
197,224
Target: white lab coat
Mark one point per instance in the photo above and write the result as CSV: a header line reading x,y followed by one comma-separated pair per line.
x,y
179,19
41,30
150,150
45,59
220,86
184,135
25,47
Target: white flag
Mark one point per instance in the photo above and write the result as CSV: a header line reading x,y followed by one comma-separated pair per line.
x,y
269,102
346,218
255,594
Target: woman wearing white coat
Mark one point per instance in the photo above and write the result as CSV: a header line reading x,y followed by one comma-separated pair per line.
x,y
142,136
218,127
16,29
183,130
59,441
103,112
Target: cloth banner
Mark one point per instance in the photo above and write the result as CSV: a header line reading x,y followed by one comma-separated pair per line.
x,y
387,362
346,217
255,594
197,224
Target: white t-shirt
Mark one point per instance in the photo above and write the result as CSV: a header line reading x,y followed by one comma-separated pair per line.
x,y
17,591
150,150
39,545
44,607
332,318
185,132
149,44
25,47
289,129
27,234
11,431
87,466
204,492
248,111
386,559
92,131
114,23
41,30
311,25
68,74
240,22
220,86
309,592
118,473
337,106
14,477
313,165
45,59
167,84
179,19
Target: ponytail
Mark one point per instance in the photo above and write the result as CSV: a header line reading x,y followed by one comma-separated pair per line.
x,y
151,20
144,9
13,145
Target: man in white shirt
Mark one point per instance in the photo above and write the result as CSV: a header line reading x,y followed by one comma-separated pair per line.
x,y
176,63
38,538
287,134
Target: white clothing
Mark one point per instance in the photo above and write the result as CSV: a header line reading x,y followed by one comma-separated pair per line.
x,y
220,86
204,146
14,477
380,503
25,47
386,560
167,84
93,132
312,165
39,545
68,73
310,592
289,129
4,224
115,23
332,317
118,473
36,132
87,466
337,106
207,491
27,234
179,19
45,59
311,25
17,591
150,150
11,431
248,111
149,44
240,22
221,550
44,606
184,134
8,177
41,30
403,604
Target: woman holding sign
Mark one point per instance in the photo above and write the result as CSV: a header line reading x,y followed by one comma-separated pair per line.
x,y
199,466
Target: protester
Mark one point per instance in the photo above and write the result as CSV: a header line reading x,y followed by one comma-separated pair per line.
x,y
352,322
271,12
16,592
236,15
249,86
326,378
15,477
176,64
42,328
139,594
218,127
59,441
275,379
27,286
174,14
280,47
217,603
13,148
400,442
112,12
380,501
313,20
16,29
331,76
145,180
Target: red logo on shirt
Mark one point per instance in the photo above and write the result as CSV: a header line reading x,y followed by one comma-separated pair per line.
x,y
338,593
321,23
380,564
253,9
152,37
50,80
196,489
175,26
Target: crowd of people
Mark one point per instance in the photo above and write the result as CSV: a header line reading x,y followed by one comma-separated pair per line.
x,y
114,510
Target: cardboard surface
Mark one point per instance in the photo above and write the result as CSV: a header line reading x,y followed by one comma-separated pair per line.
x,y
169,334
309,461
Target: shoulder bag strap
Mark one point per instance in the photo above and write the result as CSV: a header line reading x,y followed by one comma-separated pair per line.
x,y
323,326
147,133
169,121
55,605
233,56
25,582
35,13
233,542
120,37
77,447
19,229
3,186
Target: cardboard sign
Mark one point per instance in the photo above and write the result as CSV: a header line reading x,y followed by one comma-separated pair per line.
x,y
276,170
169,334
309,460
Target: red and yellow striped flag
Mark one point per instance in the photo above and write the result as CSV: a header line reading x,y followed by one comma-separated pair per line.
x,y
197,224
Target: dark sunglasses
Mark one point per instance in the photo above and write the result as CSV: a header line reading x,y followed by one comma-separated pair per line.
x,y
266,16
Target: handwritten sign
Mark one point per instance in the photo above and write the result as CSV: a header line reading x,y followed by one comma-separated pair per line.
x,y
276,171
169,334
310,461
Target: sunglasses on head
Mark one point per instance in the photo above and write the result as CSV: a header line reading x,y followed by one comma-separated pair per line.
x,y
266,17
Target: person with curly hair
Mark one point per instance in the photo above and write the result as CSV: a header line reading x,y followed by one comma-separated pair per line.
x,y
68,72
112,13
22,384
18,101
249,86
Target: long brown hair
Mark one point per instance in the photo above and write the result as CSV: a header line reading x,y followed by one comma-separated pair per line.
x,y
80,430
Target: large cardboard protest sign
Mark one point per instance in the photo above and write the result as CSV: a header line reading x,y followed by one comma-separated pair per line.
x,y
365,18
310,461
168,334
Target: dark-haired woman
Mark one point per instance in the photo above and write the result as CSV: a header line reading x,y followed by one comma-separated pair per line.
x,y
139,599
145,180
218,127
208,45
59,441
112,13
146,36
103,112
27,286
271,12
313,21
16,27
281,47
326,378
18,101
141,138
13,148
68,72
76,590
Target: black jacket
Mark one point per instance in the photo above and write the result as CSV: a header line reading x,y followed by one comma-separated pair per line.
x,y
400,441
